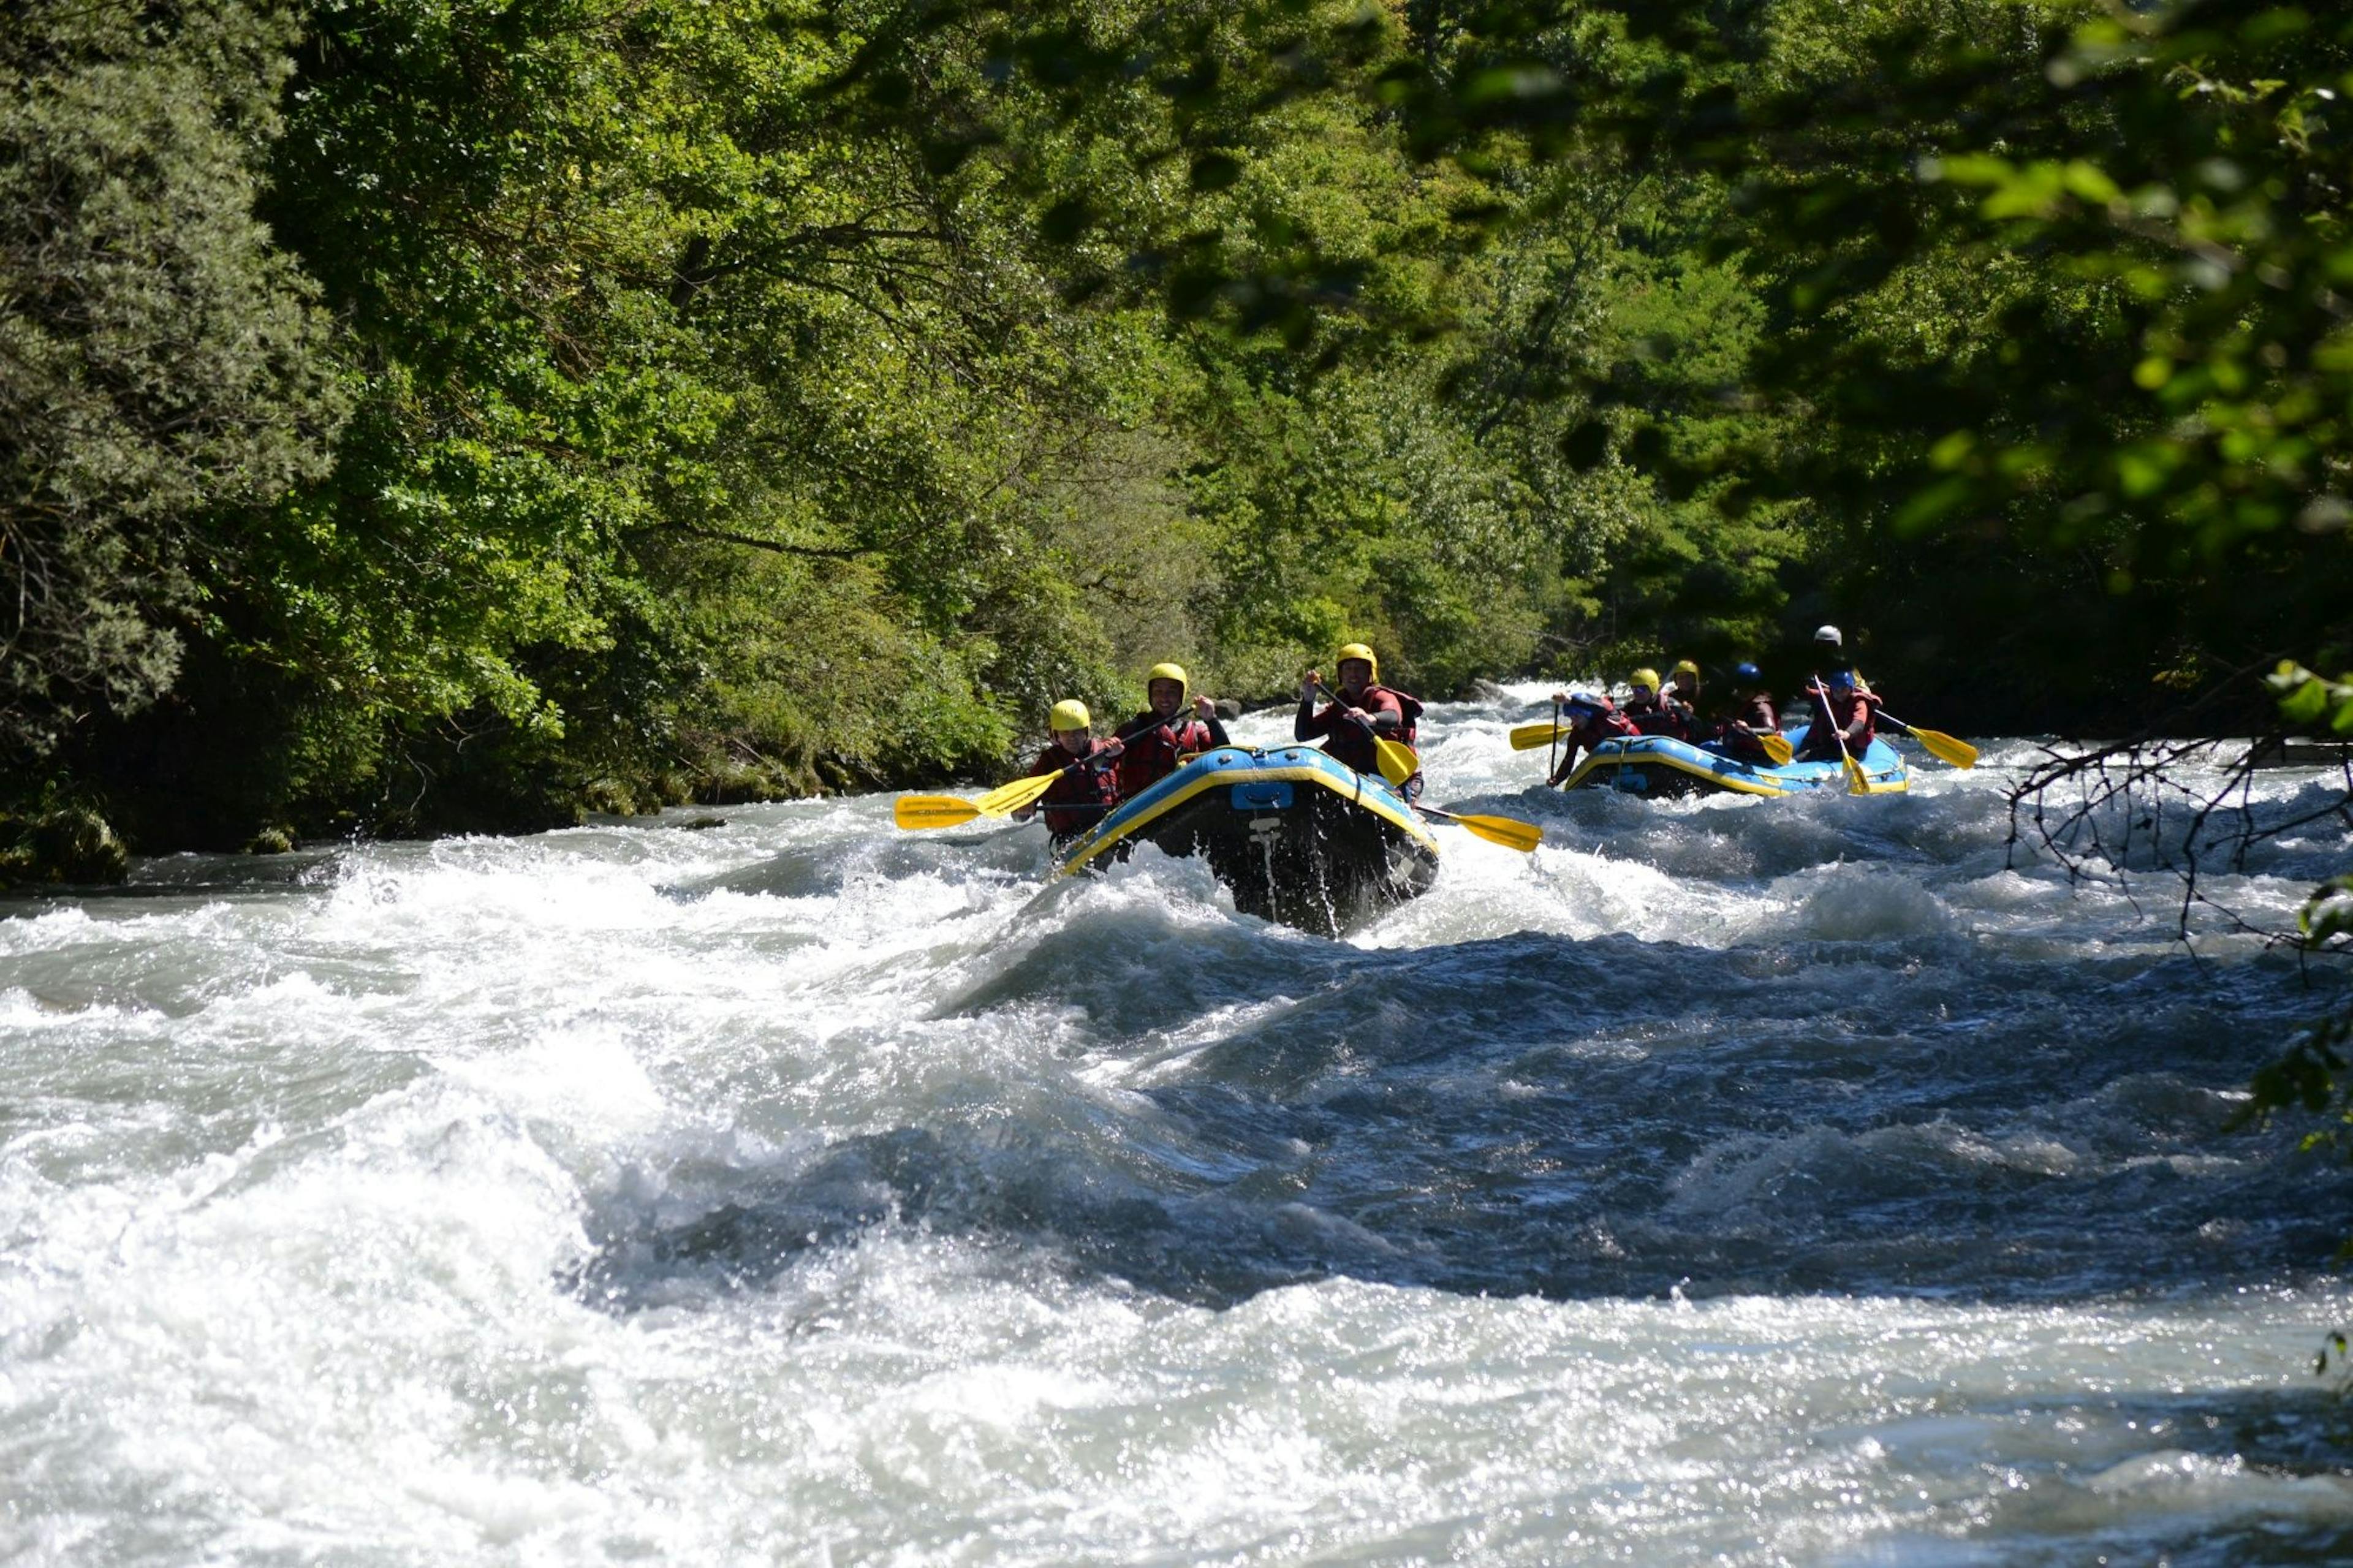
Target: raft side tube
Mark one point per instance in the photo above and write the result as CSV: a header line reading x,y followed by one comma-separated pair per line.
x,y
1665,767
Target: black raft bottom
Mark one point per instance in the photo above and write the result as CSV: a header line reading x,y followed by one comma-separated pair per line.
x,y
1321,864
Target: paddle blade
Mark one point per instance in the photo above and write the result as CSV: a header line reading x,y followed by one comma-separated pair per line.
x,y
920,811
1397,762
1006,799
1528,737
1857,781
1508,831
1945,748
1777,749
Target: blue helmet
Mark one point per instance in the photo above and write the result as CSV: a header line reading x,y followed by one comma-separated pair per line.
x,y
1747,672
1841,678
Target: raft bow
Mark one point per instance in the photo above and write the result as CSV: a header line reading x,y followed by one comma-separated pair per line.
x,y
1297,835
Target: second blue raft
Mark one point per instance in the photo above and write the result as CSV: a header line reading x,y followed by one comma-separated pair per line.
x,y
1664,767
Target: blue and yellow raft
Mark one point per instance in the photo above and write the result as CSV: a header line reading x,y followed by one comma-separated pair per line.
x,y
1663,767
1298,836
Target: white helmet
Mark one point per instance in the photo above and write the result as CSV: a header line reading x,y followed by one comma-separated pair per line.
x,y
1830,635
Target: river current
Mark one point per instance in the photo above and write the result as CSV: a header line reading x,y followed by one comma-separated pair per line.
x,y
1821,1181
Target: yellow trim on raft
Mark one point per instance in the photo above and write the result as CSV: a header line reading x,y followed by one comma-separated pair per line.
x,y
1882,783
1376,803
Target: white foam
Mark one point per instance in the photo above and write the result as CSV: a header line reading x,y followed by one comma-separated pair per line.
x,y
299,1186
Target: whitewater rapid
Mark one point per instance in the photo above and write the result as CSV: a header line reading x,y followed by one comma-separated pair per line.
x,y
1810,1181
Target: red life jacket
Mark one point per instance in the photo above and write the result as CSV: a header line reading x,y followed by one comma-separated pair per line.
x,y
1152,753
1345,738
1408,730
1757,712
1082,797
1609,724
1660,715
1678,721
1841,711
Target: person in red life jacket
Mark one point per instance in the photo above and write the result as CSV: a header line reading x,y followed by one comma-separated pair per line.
x,y
1361,709
1753,714
1160,738
1838,711
1594,721
1683,689
1089,786
1654,714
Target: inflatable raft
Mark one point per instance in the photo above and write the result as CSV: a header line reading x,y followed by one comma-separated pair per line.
x,y
1662,766
1299,837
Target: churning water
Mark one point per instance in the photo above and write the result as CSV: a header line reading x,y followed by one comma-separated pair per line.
x,y
1814,1180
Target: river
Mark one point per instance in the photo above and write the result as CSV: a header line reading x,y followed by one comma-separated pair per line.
x,y
1818,1181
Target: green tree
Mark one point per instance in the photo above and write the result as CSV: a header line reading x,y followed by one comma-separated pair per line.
x,y
164,366
707,420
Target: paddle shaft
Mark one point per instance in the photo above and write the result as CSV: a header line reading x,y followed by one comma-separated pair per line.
x,y
1349,711
1378,739
1854,769
1093,760
1151,721
1508,831
1021,794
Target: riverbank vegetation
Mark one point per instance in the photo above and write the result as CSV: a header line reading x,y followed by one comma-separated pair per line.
x,y
461,413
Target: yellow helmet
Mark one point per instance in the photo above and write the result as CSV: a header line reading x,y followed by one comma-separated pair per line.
x,y
1643,681
1686,668
1175,672
1071,713
1357,651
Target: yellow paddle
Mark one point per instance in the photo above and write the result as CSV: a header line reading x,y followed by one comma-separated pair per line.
x,y
1935,742
920,811
1007,799
1398,762
1857,781
1777,749
1528,737
1508,831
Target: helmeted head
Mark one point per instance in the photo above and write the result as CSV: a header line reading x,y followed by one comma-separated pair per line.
x,y
1070,723
1828,638
1840,679
1355,681
1686,668
1166,686
1644,681
1584,705
1747,674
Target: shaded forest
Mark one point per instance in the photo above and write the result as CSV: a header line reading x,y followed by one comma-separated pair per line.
x,y
432,415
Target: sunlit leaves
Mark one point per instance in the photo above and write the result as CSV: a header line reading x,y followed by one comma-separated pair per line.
x,y
2309,700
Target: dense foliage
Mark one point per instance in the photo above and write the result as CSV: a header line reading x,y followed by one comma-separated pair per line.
x,y
446,413
161,363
